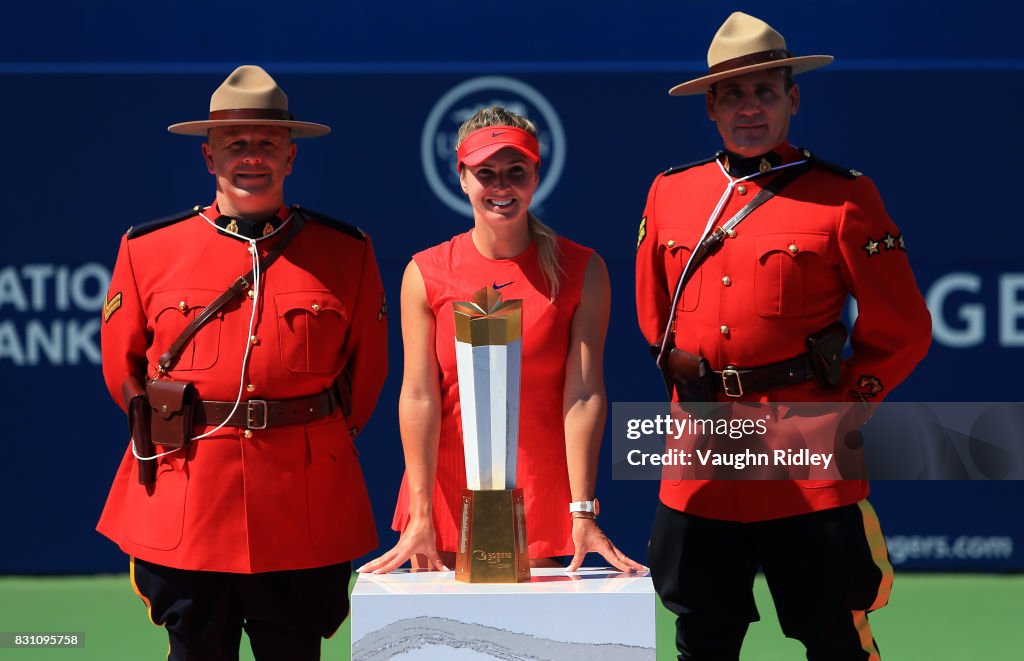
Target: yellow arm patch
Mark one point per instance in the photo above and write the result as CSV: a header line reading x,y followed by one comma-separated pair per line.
x,y
110,306
642,234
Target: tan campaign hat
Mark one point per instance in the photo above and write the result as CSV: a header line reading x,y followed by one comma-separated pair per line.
x,y
249,96
742,45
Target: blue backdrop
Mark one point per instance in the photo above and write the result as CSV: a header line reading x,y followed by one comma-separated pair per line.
x,y
923,98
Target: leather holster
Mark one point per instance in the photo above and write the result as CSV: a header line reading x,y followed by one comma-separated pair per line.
x,y
689,375
134,395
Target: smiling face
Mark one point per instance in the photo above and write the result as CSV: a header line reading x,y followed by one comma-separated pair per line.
x,y
501,188
752,112
250,163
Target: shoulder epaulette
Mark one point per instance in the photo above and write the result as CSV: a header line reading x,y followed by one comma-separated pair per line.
x,y
136,231
832,167
334,223
680,168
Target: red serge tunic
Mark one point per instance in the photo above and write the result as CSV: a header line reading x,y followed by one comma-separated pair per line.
x,y
452,271
290,496
784,275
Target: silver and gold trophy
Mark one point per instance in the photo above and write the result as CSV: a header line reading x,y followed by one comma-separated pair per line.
x,y
492,527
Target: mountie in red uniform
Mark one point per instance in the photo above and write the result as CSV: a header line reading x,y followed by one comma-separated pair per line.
x,y
780,276
270,496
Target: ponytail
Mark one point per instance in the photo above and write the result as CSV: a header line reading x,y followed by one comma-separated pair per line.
x,y
547,253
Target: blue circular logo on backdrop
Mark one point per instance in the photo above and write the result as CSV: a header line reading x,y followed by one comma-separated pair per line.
x,y
440,133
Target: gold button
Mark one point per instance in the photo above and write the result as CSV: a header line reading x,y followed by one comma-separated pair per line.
x,y
730,233
793,249
315,306
742,190
252,250
163,408
726,281
252,294
250,387
724,329
247,433
181,305
670,243
253,339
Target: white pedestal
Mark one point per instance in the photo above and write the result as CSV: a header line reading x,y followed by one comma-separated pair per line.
x,y
589,615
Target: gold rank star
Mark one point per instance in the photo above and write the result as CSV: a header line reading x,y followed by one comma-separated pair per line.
x,y
890,242
871,247
903,246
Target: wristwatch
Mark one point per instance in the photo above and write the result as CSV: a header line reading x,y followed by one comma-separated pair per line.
x,y
586,506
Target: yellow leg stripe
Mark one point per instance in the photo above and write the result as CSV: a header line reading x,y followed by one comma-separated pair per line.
x,y
879,553
867,641
135,586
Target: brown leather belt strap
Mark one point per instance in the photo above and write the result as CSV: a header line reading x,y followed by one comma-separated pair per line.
x,y
260,414
735,381
169,357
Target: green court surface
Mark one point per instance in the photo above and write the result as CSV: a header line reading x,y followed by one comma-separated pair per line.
x,y
930,617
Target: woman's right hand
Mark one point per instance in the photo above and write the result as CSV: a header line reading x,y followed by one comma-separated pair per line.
x,y
417,538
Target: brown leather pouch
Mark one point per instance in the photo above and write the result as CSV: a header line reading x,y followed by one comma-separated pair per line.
x,y
825,348
172,407
134,394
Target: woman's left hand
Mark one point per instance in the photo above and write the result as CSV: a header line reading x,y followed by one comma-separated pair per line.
x,y
588,537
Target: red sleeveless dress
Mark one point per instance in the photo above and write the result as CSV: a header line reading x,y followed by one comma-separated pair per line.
x,y
452,271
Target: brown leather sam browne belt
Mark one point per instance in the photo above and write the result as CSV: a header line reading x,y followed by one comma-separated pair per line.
x,y
260,413
734,381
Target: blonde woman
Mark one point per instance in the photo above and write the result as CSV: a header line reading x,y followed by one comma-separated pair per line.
x,y
565,292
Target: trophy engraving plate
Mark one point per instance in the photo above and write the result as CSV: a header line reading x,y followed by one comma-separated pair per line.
x,y
495,539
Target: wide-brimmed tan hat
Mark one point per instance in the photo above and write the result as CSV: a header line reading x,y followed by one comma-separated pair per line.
x,y
742,45
248,97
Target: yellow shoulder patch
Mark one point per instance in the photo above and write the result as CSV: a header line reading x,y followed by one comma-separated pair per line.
x,y
110,306
642,234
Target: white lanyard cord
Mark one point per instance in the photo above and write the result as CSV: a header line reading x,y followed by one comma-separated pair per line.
x,y
257,281
256,278
155,456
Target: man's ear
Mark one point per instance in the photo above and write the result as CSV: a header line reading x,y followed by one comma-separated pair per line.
x,y
208,157
291,158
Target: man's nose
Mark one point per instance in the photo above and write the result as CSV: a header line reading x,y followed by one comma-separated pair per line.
x,y
751,105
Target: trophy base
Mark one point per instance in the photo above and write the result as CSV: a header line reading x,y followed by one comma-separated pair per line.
x,y
492,538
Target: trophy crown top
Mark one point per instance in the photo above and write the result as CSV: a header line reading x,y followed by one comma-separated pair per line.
x,y
487,320
486,302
